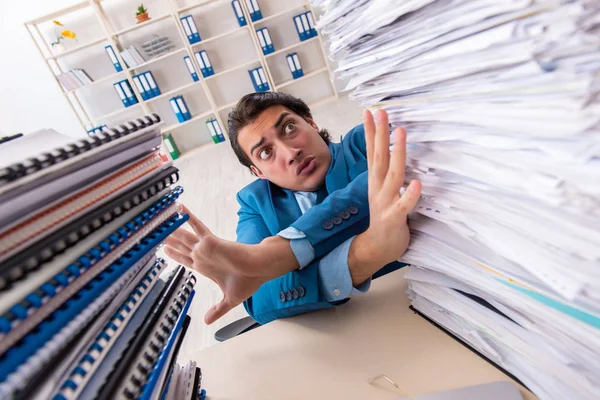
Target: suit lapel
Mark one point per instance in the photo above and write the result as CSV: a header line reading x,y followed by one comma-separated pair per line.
x,y
285,206
337,175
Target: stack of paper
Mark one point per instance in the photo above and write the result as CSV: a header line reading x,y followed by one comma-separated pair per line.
x,y
87,310
501,104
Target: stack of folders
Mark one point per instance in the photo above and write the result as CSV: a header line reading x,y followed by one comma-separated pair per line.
x,y
73,79
87,310
132,56
500,102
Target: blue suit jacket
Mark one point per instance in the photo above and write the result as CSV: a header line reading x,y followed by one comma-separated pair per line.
x,y
266,209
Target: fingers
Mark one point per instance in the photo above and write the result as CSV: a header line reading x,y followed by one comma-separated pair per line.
x,y
177,245
382,145
179,257
369,125
197,225
186,237
410,198
395,176
217,311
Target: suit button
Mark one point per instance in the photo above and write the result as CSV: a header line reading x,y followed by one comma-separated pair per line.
x,y
288,295
282,297
327,224
345,214
295,293
301,291
353,210
336,220
336,292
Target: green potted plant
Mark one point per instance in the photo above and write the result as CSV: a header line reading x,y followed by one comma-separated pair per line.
x,y
141,14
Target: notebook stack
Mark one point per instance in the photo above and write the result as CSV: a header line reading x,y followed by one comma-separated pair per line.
x,y
87,309
501,107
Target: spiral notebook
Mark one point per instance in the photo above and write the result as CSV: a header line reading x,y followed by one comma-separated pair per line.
x,y
133,369
65,211
185,382
20,383
35,256
45,331
130,313
27,313
143,289
18,207
35,158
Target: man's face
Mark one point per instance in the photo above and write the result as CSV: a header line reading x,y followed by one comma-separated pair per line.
x,y
286,149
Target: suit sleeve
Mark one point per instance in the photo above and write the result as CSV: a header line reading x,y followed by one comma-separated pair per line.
x,y
291,294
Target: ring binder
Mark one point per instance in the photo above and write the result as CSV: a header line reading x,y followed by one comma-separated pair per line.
x,y
26,347
30,311
45,160
158,318
33,257
105,339
35,364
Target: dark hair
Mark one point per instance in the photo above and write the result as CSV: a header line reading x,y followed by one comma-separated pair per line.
x,y
251,106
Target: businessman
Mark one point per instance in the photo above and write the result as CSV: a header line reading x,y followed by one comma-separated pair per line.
x,y
321,220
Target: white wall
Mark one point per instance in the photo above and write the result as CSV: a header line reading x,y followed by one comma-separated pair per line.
x,y
29,97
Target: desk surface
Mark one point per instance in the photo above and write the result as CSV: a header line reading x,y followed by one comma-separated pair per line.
x,y
330,354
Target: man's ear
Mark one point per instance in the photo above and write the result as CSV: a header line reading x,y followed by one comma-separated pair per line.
x,y
312,123
257,172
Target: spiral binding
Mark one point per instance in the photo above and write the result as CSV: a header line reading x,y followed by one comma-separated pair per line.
x,y
98,350
34,364
69,310
140,381
52,291
52,218
33,257
19,170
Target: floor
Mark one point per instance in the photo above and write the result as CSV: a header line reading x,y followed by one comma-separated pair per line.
x,y
211,178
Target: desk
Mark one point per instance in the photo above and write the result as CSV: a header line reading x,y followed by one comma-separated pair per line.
x,y
330,354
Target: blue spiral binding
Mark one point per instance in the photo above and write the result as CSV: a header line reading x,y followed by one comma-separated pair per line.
x,y
154,375
27,346
39,297
107,332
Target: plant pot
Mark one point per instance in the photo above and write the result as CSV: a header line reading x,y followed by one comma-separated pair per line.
x,y
58,48
142,17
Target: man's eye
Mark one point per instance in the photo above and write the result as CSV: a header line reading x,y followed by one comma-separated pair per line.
x,y
289,127
264,154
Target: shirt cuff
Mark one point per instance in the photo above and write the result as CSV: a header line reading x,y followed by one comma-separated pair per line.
x,y
334,275
301,247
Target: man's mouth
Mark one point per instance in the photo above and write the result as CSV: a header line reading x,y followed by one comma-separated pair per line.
x,y
306,167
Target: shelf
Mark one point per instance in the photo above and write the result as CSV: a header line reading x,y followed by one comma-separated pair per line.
x,y
187,8
106,78
322,101
112,114
173,91
226,106
76,49
222,35
232,69
171,53
199,149
56,14
132,28
194,118
291,47
308,75
279,14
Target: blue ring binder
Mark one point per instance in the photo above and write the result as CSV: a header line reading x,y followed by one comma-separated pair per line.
x,y
15,356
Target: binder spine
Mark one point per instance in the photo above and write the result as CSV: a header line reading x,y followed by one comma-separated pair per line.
x,y
26,347
19,379
19,170
83,370
141,379
32,258
51,291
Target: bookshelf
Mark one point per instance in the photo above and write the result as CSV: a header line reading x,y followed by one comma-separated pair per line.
x,y
233,50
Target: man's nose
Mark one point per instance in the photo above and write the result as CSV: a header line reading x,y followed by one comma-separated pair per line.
x,y
292,154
